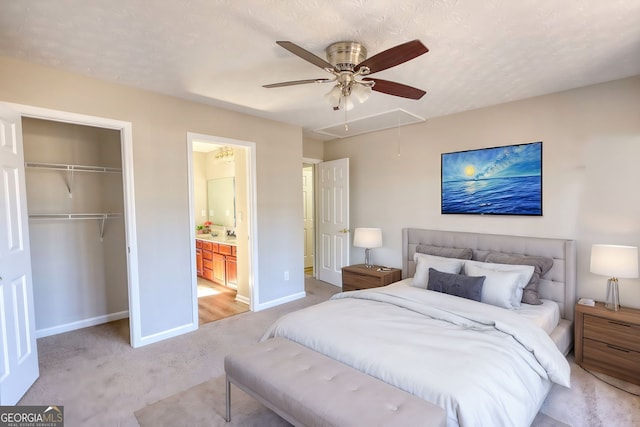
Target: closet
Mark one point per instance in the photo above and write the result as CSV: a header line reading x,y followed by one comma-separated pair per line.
x,y
75,205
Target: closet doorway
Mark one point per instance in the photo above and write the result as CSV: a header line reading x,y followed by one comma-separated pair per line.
x,y
80,203
222,199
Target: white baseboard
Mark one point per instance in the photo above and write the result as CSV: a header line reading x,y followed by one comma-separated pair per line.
x,y
153,338
79,324
243,299
279,301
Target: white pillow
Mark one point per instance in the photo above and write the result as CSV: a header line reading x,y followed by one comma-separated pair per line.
x,y
442,264
503,284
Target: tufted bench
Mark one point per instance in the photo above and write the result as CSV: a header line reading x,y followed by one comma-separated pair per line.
x,y
307,388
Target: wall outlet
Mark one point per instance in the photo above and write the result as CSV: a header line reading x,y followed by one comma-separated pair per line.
x,y
286,275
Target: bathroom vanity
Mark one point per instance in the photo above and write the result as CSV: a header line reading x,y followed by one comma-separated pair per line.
x,y
216,260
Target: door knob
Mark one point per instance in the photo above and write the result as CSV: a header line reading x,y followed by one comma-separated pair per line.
x,y
344,230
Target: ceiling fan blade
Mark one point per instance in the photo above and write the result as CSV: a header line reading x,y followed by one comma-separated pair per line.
x,y
298,82
305,54
394,56
396,89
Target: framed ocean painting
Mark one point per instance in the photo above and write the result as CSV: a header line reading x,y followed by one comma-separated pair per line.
x,y
493,181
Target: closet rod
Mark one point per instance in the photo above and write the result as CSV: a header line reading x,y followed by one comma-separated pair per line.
x,y
71,168
70,216
102,217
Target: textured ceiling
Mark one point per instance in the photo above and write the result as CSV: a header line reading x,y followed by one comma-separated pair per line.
x,y
221,52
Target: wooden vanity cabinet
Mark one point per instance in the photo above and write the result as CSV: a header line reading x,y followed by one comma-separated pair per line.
x,y
219,267
218,262
232,275
199,262
199,257
207,259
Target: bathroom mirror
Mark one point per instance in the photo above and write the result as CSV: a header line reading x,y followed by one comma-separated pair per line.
x,y
221,201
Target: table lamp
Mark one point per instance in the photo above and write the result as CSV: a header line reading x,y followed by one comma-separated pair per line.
x,y
367,238
614,261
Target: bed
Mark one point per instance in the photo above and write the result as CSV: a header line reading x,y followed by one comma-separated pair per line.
x,y
484,364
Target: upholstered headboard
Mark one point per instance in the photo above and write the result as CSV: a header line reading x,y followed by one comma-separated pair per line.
x,y
559,284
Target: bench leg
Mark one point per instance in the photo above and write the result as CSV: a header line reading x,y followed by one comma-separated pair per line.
x,y
227,418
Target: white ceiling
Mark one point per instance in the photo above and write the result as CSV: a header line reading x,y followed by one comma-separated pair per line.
x,y
221,52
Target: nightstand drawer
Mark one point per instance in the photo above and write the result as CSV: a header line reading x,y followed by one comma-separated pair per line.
x,y
608,341
359,276
612,359
618,334
360,281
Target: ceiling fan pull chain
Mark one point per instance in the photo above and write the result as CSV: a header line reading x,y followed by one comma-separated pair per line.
x,y
398,135
346,125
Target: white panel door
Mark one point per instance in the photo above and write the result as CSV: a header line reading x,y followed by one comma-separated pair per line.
x,y
307,198
18,353
333,220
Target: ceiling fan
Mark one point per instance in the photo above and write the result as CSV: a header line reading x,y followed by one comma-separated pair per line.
x,y
348,63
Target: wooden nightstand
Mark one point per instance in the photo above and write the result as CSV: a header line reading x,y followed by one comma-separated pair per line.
x,y
608,341
358,276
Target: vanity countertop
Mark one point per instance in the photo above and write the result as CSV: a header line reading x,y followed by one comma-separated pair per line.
x,y
217,239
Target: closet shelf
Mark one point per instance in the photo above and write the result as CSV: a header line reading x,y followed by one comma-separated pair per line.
x,y
102,217
72,168
75,216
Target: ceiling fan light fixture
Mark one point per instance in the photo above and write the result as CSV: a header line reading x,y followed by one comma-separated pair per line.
x,y
333,97
347,61
361,91
346,103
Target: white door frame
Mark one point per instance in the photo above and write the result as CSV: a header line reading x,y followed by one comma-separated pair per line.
x,y
126,137
252,226
314,162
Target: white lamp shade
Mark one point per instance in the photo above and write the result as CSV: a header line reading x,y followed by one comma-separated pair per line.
x,y
615,261
367,238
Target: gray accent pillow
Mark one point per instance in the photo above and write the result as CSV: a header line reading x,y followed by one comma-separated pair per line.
x,y
462,253
541,265
468,287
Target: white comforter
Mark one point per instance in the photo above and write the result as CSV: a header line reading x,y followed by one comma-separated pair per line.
x,y
485,365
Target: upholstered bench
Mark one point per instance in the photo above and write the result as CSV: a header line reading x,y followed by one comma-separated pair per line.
x,y
307,388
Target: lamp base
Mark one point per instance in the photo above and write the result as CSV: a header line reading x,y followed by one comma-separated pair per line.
x,y
613,298
367,258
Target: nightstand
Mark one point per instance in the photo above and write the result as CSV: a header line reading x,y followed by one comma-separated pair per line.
x,y
608,341
358,276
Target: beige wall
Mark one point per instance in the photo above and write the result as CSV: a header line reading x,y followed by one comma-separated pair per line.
x,y
160,124
591,149
312,149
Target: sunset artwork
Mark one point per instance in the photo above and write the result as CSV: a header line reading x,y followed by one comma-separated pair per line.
x,y
493,181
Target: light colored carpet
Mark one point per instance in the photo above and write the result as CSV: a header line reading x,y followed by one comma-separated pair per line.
x,y
590,403
102,381
204,405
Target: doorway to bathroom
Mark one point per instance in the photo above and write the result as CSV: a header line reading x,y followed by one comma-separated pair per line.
x,y
221,202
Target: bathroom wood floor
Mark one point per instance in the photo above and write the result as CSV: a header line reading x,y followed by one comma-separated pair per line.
x,y
216,302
